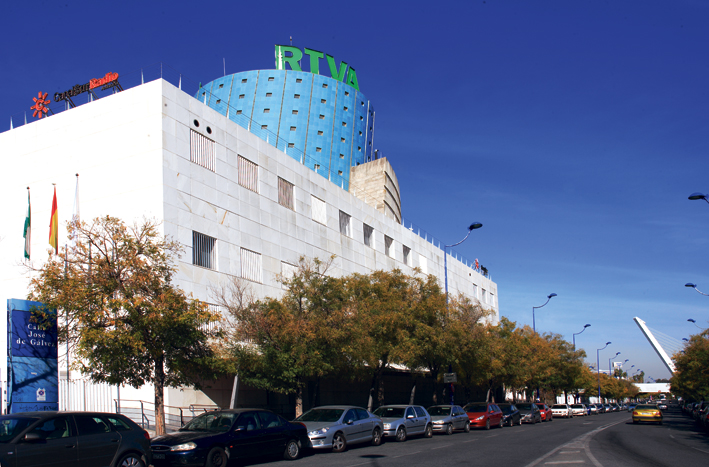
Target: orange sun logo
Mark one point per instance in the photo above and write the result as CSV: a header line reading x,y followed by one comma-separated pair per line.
x,y
40,105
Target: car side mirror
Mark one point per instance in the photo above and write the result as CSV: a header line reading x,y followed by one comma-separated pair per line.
x,y
349,422
32,438
409,416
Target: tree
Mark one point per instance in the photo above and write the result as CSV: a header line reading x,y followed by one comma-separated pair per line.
x,y
126,321
691,377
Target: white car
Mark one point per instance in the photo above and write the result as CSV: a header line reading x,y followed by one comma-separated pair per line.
x,y
579,409
561,410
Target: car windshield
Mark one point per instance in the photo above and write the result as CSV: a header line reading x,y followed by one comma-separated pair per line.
x,y
646,407
524,406
11,427
212,421
439,411
320,415
577,406
558,406
506,409
390,412
476,408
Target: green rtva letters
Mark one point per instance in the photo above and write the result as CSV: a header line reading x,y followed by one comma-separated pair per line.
x,y
296,55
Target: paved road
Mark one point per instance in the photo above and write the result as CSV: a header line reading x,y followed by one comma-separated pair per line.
x,y
605,440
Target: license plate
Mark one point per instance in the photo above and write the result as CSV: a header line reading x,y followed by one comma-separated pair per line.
x,y
158,456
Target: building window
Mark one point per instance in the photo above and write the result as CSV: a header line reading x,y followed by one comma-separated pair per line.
x,y
319,210
219,101
345,224
320,133
362,103
270,78
345,108
264,127
492,299
324,85
407,255
423,264
204,251
238,112
269,94
250,265
295,112
221,85
202,151
287,272
361,118
298,80
359,148
339,172
342,156
344,123
248,174
368,235
388,243
316,166
322,101
292,128
296,96
322,117
347,93
291,145
318,149
342,140
241,96
266,111
484,299
286,194
475,291
243,80
360,133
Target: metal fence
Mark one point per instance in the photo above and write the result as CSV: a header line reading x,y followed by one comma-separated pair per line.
x,y
84,395
143,413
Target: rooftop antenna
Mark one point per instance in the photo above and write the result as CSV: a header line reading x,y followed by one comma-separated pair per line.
x,y
224,62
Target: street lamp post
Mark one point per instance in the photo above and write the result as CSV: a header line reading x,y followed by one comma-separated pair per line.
x,y
573,337
694,286
693,321
473,226
598,368
696,196
534,322
609,363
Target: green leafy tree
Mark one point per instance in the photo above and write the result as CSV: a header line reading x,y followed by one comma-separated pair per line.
x,y
691,377
126,322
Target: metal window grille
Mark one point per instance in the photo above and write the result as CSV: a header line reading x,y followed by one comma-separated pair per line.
x,y
203,250
288,271
286,194
407,253
475,291
484,300
345,224
388,250
212,325
368,235
248,174
319,210
202,151
250,265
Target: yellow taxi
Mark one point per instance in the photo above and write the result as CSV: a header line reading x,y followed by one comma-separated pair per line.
x,y
647,413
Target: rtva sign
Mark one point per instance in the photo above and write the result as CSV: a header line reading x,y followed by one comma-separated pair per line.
x,y
296,55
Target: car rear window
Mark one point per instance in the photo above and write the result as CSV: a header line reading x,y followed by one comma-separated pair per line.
x,y
439,410
476,408
646,407
118,424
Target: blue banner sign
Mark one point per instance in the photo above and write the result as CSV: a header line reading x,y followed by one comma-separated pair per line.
x,y
32,360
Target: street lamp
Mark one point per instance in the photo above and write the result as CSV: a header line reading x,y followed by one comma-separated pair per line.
x,y
695,196
598,367
609,362
694,286
694,322
473,226
534,324
573,337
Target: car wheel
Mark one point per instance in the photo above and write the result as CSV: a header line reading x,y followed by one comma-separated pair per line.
x,y
520,421
292,451
502,423
401,434
339,443
131,460
487,424
551,418
467,427
376,437
449,429
216,458
428,433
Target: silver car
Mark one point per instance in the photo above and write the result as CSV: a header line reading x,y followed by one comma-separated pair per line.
x,y
447,418
402,421
336,426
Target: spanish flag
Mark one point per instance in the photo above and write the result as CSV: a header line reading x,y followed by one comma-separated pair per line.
x,y
54,225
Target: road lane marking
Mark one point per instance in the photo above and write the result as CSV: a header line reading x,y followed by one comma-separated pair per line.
x,y
565,462
407,454
568,452
441,447
702,450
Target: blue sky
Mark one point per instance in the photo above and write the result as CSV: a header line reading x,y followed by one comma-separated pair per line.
x,y
574,131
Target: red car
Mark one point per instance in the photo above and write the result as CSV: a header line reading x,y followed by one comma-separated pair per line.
x,y
484,415
545,411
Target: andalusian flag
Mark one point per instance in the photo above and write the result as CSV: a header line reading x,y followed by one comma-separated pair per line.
x,y
54,225
28,227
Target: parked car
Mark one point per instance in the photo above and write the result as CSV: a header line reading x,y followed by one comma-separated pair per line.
x,y
336,426
448,418
81,439
647,413
484,415
214,437
402,421
593,409
631,406
510,414
545,412
530,412
561,410
578,410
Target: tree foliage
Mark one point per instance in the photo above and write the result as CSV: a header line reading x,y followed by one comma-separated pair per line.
x,y
691,378
125,320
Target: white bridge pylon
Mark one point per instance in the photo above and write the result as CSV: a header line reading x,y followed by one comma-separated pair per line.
x,y
655,345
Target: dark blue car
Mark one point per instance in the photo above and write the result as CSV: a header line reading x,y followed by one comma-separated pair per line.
x,y
215,437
